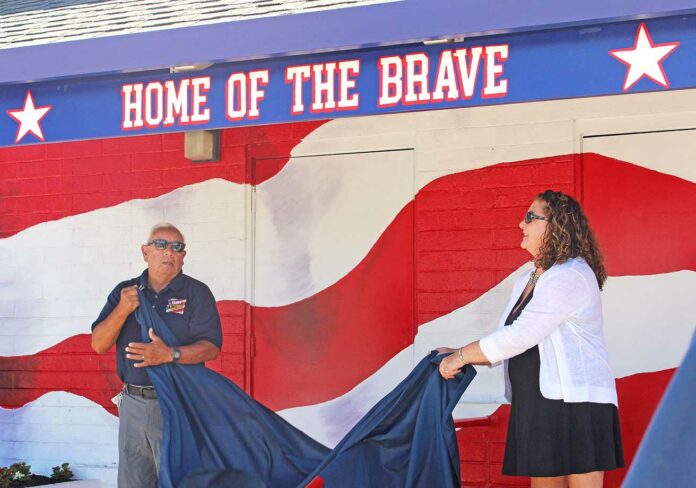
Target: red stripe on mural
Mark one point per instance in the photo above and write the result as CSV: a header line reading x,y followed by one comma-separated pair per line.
x,y
482,447
466,241
51,181
644,219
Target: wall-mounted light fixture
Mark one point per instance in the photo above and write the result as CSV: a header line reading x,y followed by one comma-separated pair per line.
x,y
202,146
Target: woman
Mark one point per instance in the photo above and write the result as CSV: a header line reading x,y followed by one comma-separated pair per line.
x,y
564,425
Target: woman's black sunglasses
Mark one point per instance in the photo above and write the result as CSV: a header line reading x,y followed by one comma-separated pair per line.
x,y
532,216
162,244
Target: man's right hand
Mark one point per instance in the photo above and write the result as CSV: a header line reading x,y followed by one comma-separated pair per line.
x,y
129,299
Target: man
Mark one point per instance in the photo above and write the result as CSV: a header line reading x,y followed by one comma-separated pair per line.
x,y
188,308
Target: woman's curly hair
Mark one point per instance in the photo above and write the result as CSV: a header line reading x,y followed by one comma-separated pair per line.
x,y
568,235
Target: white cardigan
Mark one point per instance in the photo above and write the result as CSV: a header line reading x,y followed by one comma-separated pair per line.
x,y
564,317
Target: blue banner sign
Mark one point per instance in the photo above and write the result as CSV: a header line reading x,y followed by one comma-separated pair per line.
x,y
574,62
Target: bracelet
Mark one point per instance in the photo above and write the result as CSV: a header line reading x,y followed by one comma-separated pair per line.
x,y
461,358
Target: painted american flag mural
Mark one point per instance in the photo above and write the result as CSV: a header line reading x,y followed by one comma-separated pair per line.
x,y
340,252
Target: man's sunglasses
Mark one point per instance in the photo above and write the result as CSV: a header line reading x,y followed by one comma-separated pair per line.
x,y
162,244
532,216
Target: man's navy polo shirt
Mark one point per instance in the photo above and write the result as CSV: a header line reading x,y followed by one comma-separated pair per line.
x,y
186,305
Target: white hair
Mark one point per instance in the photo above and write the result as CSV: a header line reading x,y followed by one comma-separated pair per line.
x,y
166,226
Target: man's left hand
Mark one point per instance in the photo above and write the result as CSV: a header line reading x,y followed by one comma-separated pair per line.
x,y
150,353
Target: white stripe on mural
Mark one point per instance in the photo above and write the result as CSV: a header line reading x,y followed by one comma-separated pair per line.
x,y
645,328
61,428
319,217
646,323
56,275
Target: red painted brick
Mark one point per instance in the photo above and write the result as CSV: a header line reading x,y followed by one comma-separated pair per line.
x,y
233,325
28,152
236,173
497,450
163,160
449,199
454,260
235,155
6,379
9,170
90,201
234,137
53,380
82,184
133,181
454,280
8,187
233,344
454,240
173,141
530,174
38,169
91,380
232,307
469,219
97,165
507,238
133,144
42,203
59,363
473,452
54,184
73,149
474,472
232,363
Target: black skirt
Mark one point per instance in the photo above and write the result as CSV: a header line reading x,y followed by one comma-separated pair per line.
x,y
551,437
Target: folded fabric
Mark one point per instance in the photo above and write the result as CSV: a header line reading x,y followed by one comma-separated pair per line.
x,y
406,440
215,435
213,428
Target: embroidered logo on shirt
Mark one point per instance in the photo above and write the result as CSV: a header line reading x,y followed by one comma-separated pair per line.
x,y
176,305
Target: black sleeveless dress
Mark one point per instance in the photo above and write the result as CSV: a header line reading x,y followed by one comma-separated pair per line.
x,y
551,437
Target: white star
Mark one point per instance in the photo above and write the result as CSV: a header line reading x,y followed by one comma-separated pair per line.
x,y
29,117
644,59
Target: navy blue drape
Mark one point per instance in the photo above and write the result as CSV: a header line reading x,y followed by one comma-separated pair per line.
x,y
666,455
406,440
214,434
210,424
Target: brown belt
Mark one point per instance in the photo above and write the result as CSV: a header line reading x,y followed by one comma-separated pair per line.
x,y
147,392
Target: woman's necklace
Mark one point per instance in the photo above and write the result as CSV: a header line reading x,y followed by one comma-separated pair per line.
x,y
533,277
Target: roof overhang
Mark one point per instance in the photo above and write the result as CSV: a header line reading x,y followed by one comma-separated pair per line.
x,y
367,26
